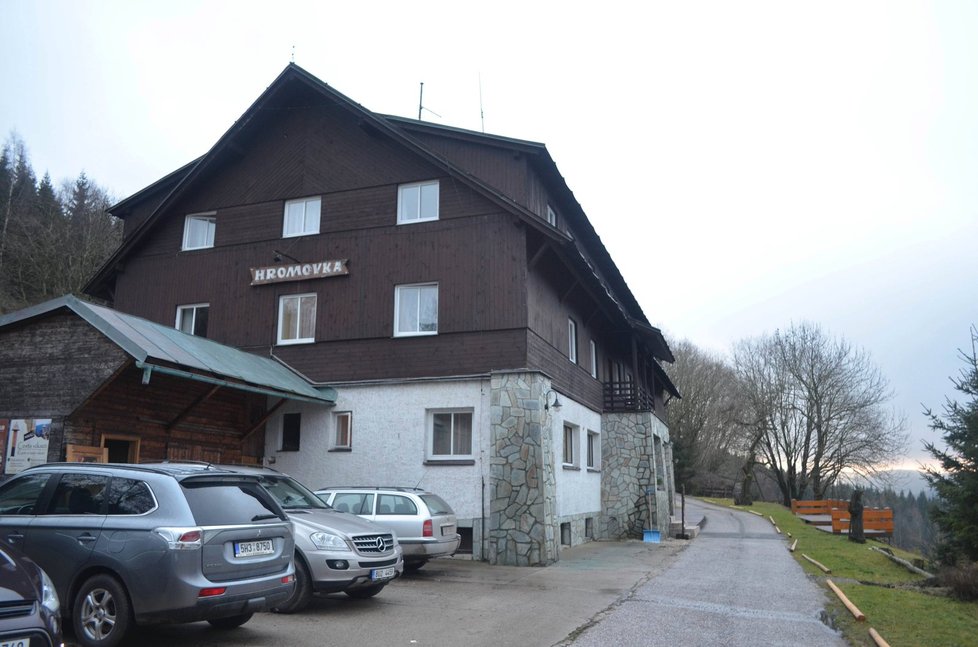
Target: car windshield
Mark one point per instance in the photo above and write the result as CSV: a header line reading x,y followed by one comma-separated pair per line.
x,y
291,494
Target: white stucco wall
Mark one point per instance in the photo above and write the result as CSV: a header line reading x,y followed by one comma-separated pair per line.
x,y
578,491
389,435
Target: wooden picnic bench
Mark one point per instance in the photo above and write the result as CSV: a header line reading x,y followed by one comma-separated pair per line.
x,y
820,507
876,522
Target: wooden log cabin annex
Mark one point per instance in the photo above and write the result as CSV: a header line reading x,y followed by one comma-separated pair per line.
x,y
480,339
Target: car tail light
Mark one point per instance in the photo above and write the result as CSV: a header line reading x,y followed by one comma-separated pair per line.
x,y
428,530
182,538
211,592
288,579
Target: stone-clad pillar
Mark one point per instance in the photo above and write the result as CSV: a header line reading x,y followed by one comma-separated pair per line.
x,y
522,494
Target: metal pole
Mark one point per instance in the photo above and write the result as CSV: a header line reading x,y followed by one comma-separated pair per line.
x,y
683,517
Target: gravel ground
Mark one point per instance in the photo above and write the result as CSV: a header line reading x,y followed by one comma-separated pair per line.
x,y
736,584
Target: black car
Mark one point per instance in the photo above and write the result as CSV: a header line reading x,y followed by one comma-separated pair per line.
x,y
29,605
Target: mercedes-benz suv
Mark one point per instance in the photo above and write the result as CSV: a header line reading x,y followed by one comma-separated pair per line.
x,y
334,551
143,544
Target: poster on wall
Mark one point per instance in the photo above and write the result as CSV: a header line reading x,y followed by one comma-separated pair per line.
x,y
27,444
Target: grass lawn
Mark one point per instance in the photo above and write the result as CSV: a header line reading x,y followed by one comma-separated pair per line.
x,y
882,590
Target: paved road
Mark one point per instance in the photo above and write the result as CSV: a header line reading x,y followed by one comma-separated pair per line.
x,y
735,585
452,602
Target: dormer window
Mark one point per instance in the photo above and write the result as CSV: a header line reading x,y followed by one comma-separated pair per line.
x,y
417,202
301,217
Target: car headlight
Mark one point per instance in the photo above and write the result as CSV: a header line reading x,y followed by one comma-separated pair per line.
x,y
49,597
329,541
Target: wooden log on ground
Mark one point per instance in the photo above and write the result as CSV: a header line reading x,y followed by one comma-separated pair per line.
x,y
902,562
819,564
793,546
755,512
877,638
853,609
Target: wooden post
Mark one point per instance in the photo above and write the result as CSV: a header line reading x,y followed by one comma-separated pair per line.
x,y
878,639
818,564
853,609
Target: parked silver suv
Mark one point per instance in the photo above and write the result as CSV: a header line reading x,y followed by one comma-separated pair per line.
x,y
425,525
333,552
143,544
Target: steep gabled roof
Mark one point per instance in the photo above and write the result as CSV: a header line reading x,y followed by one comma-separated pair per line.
x,y
188,175
587,251
170,351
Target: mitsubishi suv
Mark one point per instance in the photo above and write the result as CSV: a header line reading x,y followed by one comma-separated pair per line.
x,y
128,545
425,525
334,552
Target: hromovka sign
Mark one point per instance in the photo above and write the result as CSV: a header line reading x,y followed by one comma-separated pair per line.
x,y
297,272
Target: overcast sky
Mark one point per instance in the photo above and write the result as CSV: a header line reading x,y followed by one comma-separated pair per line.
x,y
747,164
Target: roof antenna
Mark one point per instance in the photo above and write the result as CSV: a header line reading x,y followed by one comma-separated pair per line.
x,y
421,104
482,114
293,53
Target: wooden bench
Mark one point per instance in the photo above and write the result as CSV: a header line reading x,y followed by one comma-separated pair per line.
x,y
876,522
823,506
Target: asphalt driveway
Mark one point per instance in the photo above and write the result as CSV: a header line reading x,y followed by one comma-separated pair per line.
x,y
735,585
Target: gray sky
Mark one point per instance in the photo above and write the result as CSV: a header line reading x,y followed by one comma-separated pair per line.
x,y
747,164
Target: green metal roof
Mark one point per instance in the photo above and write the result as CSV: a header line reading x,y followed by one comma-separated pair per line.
x,y
170,351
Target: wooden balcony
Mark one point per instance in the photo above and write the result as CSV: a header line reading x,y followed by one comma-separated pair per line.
x,y
627,396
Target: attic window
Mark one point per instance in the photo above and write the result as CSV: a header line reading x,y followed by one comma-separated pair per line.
x,y
301,217
417,202
198,231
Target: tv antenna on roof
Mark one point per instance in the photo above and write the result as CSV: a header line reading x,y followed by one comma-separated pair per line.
x,y
293,53
482,114
421,104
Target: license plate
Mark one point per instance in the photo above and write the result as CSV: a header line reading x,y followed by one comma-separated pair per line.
x,y
382,573
447,530
253,548
15,642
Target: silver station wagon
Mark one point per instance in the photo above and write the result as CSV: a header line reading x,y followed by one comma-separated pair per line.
x,y
424,523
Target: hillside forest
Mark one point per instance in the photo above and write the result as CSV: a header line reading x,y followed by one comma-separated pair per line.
x,y
52,236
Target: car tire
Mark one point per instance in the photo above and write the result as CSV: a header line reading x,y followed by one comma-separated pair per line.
x,y
301,594
365,592
230,622
414,567
101,615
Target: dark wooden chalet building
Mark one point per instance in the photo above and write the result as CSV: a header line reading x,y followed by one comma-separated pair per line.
x,y
481,340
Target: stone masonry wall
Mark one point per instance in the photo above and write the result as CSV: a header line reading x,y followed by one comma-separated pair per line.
x,y
629,471
522,494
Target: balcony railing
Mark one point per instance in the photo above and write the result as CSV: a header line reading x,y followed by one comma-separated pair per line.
x,y
627,396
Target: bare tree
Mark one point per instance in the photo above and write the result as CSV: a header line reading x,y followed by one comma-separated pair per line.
x,y
701,424
818,406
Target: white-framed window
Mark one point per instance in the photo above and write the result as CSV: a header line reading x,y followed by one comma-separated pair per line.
x,y
594,360
416,309
572,340
301,217
192,319
570,445
417,202
449,435
198,231
593,450
343,425
551,216
297,319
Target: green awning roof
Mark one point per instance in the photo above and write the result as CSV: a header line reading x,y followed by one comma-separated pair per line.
x,y
156,347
